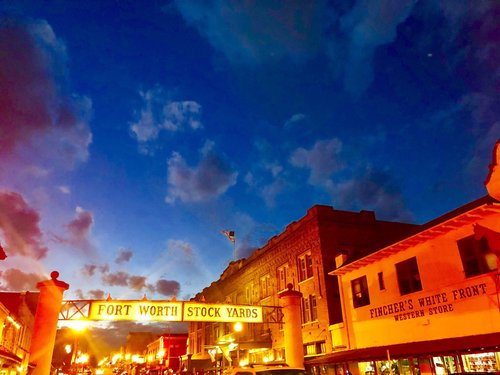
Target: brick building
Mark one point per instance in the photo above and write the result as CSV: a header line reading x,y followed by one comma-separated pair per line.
x,y
164,353
302,256
428,304
17,314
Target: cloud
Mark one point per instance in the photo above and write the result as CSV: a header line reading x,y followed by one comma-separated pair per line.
x,y
254,32
64,189
97,294
41,121
159,113
372,189
167,287
137,282
89,270
178,247
271,191
78,230
294,120
263,32
124,255
210,179
20,227
365,27
17,280
119,278
322,160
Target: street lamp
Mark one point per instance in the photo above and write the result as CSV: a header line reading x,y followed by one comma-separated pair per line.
x,y
77,326
238,327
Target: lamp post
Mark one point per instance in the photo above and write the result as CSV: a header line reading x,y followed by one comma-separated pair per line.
x,y
77,327
238,327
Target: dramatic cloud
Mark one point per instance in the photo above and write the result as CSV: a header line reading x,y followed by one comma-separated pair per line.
x,y
210,179
159,113
78,230
372,190
124,255
17,280
257,33
20,227
321,159
38,116
167,287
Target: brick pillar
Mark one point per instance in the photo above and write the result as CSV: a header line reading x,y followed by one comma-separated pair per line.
x,y
294,348
45,327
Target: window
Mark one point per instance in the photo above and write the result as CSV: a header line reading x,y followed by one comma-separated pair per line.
x,y
208,333
314,307
477,257
309,309
249,293
305,267
360,295
265,289
408,276
306,310
381,283
282,275
314,348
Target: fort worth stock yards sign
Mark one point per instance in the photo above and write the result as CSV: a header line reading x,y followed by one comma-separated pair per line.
x,y
173,311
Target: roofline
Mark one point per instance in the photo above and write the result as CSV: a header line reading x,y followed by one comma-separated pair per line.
x,y
445,223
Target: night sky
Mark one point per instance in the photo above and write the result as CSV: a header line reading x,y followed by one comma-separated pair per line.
x,y
133,132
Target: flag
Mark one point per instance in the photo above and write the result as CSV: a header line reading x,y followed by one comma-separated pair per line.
x,y
229,234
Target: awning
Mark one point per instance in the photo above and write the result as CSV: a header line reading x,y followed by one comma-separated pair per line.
x,y
468,344
201,356
9,356
256,344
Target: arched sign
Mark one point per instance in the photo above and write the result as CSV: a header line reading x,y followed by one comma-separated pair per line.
x,y
173,311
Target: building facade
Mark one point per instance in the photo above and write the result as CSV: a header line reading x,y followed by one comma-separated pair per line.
x,y
17,315
164,354
301,256
427,304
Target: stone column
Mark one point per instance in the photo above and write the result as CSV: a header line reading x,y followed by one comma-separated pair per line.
x,y
294,348
45,327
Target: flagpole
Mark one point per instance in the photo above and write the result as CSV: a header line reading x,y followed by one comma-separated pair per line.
x,y
234,249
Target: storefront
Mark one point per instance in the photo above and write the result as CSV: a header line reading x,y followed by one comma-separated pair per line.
x,y
473,354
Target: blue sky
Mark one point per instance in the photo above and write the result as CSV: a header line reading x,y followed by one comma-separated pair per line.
x,y
132,133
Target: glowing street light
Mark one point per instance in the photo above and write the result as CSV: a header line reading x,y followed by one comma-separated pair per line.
x,y
238,327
